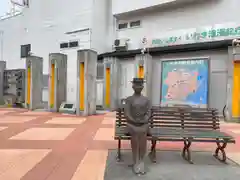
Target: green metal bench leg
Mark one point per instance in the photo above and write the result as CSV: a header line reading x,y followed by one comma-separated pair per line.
x,y
152,154
221,148
186,153
119,156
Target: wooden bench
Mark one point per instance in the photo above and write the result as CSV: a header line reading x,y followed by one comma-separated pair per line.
x,y
185,125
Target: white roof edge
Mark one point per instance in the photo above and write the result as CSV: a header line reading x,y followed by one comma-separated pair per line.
x,y
8,16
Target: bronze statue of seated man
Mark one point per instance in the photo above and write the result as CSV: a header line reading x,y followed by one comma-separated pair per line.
x,y
137,112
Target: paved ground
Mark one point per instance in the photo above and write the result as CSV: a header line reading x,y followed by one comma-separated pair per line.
x,y
50,146
171,166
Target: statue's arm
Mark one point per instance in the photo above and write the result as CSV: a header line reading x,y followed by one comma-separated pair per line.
x,y
148,113
127,110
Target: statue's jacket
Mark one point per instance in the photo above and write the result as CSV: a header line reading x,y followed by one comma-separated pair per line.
x,y
137,110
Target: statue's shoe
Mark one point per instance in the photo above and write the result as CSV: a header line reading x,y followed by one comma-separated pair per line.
x,y
141,167
143,173
136,169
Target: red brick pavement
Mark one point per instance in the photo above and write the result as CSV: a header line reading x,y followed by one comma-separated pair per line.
x,y
50,146
65,155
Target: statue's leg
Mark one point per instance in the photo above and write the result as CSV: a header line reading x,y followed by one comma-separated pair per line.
x,y
130,130
134,148
142,151
143,145
136,154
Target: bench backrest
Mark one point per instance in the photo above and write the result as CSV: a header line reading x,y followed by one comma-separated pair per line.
x,y
177,118
185,118
120,118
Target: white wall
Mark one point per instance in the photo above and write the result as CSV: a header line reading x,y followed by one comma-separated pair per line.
x,y
124,6
44,24
99,25
194,15
12,38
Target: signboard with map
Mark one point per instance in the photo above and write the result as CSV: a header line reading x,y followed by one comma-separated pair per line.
x,y
185,82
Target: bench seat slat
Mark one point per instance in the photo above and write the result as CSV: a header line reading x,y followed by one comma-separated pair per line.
x,y
184,111
177,120
185,126
186,122
168,132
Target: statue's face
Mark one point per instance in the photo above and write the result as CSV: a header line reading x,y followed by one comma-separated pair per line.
x,y
137,88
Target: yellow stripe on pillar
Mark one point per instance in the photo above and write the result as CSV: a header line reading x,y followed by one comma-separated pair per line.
x,y
141,71
107,96
236,91
81,88
52,88
29,85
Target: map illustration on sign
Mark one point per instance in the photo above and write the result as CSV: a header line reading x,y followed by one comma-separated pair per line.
x,y
185,82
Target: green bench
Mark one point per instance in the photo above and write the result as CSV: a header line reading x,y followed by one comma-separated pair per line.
x,y
185,125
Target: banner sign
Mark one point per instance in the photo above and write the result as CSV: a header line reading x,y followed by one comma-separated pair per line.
x,y
196,35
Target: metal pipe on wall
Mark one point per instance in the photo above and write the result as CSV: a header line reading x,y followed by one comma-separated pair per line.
x,y
1,43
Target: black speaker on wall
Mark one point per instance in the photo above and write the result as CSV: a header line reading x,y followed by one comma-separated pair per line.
x,y
25,50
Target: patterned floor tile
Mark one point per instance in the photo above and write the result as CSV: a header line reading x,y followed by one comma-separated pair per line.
x,y
66,120
94,162
224,124
2,128
108,120
16,163
234,157
35,113
44,134
16,119
4,112
104,134
110,114
235,131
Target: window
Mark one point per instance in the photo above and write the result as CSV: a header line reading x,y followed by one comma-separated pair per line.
x,y
26,3
100,71
123,26
73,44
63,45
45,80
22,3
135,23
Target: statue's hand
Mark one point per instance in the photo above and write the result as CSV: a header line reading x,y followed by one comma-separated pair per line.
x,y
130,119
146,118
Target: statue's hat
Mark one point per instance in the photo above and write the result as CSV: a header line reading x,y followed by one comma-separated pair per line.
x,y
138,81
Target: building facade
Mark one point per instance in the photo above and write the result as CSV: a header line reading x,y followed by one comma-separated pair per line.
x,y
179,32
148,33
52,27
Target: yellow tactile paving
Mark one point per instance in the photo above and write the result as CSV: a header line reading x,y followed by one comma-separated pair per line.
x,y
104,134
16,119
15,164
234,157
44,134
66,120
94,162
